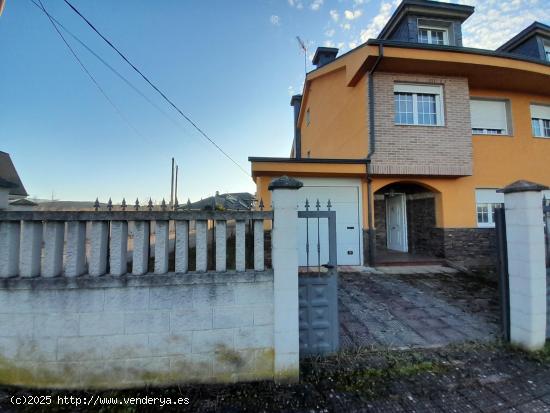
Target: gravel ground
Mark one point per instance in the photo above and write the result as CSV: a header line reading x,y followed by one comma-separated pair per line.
x,y
466,378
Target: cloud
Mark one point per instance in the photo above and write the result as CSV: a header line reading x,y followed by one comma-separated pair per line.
x,y
329,43
316,5
296,3
379,21
345,26
359,2
493,23
352,14
330,32
275,20
334,15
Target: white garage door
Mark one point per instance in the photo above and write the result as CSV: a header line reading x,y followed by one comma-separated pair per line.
x,y
345,197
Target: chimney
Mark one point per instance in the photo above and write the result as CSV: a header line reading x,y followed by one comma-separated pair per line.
x,y
324,55
296,102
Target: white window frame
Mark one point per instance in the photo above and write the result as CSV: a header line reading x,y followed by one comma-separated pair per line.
x,y
490,198
436,90
490,131
430,29
540,118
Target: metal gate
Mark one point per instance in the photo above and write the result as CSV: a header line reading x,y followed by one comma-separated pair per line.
x,y
318,287
546,211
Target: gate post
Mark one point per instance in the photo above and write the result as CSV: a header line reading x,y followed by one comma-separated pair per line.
x,y
526,263
285,278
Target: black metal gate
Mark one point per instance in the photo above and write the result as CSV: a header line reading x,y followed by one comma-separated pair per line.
x,y
318,288
502,271
546,211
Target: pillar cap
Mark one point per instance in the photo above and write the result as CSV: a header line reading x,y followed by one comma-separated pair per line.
x,y
285,182
522,186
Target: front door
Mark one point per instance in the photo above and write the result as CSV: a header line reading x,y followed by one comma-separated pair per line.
x,y
396,221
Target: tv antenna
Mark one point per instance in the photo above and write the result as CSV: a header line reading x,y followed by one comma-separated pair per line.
x,y
304,49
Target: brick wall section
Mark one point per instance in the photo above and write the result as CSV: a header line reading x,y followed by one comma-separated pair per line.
x,y
471,247
124,331
423,150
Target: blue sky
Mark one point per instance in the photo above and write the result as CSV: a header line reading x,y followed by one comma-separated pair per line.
x,y
230,65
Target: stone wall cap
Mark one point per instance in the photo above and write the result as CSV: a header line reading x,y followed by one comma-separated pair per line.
x,y
522,186
285,182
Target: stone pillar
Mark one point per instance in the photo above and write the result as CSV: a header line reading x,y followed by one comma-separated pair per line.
x,y
118,248
285,282
182,246
10,232
259,245
99,238
240,246
75,249
221,246
31,249
201,245
162,239
140,258
526,263
52,262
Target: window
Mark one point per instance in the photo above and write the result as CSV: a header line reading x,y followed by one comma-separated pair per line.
x,y
433,35
547,51
487,200
308,117
540,121
489,117
418,105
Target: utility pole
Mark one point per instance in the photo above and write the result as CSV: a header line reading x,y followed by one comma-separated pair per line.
x,y
176,185
172,185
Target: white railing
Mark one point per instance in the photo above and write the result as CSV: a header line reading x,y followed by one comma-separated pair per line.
x,y
54,243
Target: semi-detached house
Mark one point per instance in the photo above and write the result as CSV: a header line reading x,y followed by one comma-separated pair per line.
x,y
411,134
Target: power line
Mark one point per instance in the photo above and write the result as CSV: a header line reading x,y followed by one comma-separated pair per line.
x,y
156,88
97,56
92,78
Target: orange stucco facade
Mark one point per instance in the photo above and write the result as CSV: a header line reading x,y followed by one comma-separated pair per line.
x,y
336,97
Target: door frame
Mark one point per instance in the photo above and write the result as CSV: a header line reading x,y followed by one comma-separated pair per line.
x,y
404,221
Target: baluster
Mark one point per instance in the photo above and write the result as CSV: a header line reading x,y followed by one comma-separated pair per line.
x,y
307,236
140,258
162,240
52,262
259,245
201,245
221,245
182,246
99,238
318,207
10,232
31,246
240,246
75,249
118,252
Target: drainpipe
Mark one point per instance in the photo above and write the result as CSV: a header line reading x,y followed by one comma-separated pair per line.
x,y
372,149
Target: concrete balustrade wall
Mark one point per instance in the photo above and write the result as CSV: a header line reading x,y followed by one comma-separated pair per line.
x,y
76,319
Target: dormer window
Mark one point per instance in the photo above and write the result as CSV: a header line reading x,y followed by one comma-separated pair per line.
x,y
433,35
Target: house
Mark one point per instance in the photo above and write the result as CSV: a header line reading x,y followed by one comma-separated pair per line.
x,y
236,201
411,134
11,187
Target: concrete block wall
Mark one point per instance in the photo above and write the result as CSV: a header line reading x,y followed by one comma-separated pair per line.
x,y
124,331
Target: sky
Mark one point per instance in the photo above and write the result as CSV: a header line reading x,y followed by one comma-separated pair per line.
x,y
231,66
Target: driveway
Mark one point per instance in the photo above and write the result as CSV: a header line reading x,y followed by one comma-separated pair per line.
x,y
426,309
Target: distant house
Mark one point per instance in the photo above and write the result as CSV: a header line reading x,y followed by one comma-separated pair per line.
x,y
11,187
237,201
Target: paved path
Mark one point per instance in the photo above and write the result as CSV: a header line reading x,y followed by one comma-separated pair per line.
x,y
415,310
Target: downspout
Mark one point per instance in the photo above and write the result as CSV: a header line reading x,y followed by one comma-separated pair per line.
x,y
372,149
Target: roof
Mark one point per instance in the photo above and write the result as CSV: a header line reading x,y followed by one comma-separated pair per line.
x,y
305,160
531,30
425,7
23,202
323,51
9,178
239,201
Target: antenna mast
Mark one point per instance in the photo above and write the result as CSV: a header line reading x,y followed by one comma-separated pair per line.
x,y
304,49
